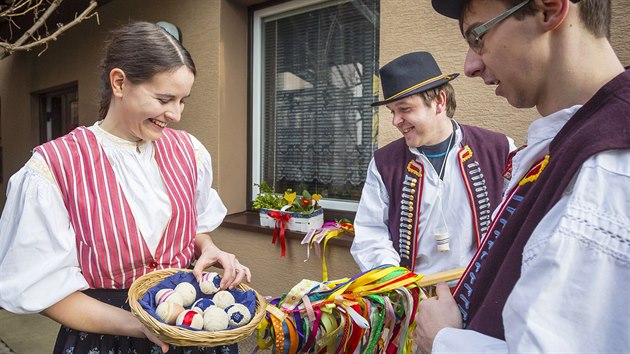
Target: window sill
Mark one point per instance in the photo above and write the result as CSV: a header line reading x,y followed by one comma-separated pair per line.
x,y
250,221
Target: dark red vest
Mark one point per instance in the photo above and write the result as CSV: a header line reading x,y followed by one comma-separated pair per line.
x,y
603,123
482,159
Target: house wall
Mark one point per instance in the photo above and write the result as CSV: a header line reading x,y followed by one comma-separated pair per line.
x,y
216,34
75,57
412,25
273,275
232,103
17,129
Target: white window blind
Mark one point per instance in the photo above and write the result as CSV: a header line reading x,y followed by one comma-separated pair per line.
x,y
314,68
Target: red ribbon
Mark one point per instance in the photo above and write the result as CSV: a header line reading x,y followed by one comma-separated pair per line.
x,y
281,222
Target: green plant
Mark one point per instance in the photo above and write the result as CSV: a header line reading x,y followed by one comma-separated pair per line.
x,y
268,199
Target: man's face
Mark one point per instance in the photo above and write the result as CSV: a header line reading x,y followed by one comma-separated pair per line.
x,y
510,56
418,123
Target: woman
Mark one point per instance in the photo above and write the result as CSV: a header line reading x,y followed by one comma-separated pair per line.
x,y
106,204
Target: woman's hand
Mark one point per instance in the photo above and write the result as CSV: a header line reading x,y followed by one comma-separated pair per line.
x,y
150,336
208,254
84,313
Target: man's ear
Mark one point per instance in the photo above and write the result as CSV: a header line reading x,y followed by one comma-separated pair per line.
x,y
117,81
553,12
440,102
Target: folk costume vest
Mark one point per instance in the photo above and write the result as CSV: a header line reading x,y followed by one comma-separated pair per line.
x,y
111,250
603,123
481,158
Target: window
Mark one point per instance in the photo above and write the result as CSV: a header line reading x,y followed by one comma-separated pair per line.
x,y
313,72
58,111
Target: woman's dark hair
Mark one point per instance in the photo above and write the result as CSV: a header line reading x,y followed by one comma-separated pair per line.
x,y
141,50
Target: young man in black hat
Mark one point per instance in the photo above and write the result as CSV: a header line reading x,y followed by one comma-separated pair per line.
x,y
552,274
428,196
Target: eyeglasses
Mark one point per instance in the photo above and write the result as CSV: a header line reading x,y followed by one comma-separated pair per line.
x,y
475,37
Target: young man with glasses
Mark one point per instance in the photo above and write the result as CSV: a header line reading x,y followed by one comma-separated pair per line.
x,y
552,272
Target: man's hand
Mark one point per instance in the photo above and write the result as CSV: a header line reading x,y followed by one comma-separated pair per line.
x,y
434,314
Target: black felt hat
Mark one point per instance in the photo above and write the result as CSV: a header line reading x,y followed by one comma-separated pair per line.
x,y
409,74
449,8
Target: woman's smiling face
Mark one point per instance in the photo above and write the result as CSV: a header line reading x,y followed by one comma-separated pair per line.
x,y
145,109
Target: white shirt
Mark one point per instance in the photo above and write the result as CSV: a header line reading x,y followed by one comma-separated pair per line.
x,y
444,207
35,225
574,291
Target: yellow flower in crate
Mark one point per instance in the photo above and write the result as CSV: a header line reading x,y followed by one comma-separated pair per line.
x,y
290,197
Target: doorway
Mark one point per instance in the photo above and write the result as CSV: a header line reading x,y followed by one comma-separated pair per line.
x,y
58,111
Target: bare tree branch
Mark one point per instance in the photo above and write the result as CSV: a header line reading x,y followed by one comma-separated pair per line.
x,y
17,5
39,23
32,37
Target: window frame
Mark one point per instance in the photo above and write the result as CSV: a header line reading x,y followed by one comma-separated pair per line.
x,y
256,68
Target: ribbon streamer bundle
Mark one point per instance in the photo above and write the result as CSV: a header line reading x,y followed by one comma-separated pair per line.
x,y
329,230
372,312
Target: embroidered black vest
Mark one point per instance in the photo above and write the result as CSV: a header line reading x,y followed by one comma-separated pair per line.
x,y
603,123
482,157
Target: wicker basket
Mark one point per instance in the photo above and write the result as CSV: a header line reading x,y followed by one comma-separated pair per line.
x,y
185,337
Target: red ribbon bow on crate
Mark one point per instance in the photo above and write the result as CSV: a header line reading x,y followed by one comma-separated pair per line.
x,y
278,233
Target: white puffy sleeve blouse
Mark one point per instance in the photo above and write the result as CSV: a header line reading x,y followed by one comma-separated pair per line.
x,y
38,257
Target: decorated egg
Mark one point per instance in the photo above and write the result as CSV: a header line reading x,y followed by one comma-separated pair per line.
x,y
190,318
210,283
187,292
223,299
238,315
202,304
215,319
168,295
168,312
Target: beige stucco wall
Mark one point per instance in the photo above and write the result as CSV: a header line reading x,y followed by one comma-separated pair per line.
x,y
215,32
75,57
17,129
232,102
412,25
428,31
274,275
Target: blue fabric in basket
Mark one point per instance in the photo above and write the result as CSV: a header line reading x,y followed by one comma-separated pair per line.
x,y
247,298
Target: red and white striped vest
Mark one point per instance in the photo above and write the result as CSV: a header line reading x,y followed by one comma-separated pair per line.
x,y
112,253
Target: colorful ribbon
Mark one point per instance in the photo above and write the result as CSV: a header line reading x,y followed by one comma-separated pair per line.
x,y
371,312
278,233
329,230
